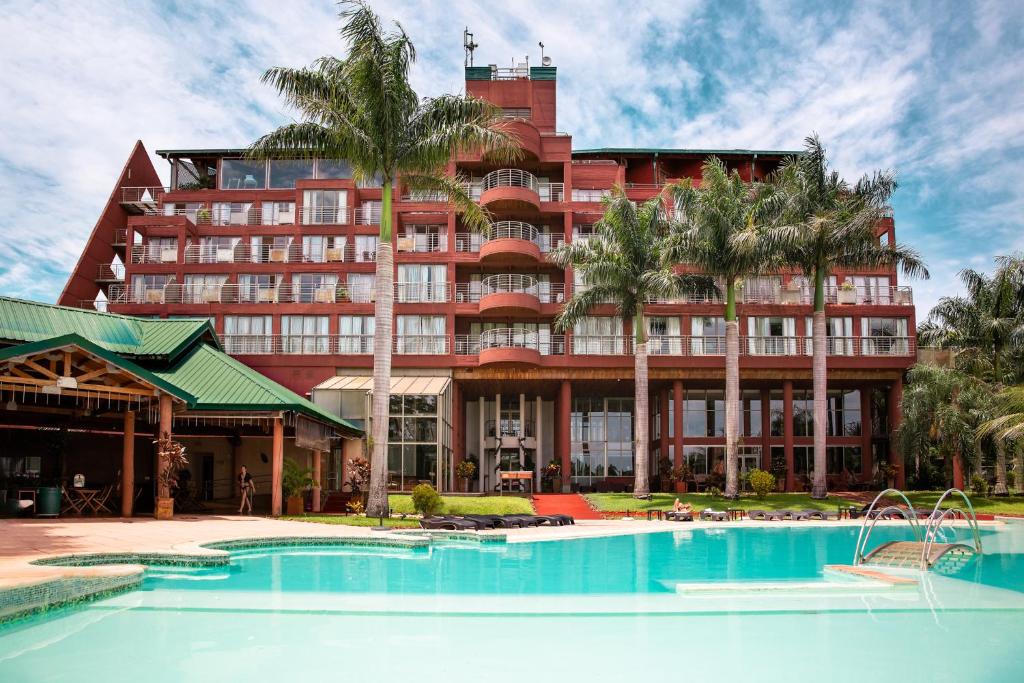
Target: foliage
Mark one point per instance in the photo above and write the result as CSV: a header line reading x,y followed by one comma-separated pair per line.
x,y
358,473
713,492
295,479
552,470
623,502
401,503
171,454
762,483
979,485
354,520
426,500
355,506
465,469
681,473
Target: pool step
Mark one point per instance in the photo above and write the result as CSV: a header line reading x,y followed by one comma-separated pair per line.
x,y
838,580
907,554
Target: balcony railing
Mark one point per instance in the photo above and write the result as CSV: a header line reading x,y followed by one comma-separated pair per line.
x,y
422,292
293,252
146,253
423,243
229,293
677,345
262,344
546,292
509,177
515,230
422,344
110,272
470,242
326,215
602,345
509,338
142,195
509,427
861,295
368,215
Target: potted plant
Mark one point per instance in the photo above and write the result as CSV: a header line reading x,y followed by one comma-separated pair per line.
x,y
295,480
171,456
847,293
552,474
465,471
358,474
203,214
888,472
681,478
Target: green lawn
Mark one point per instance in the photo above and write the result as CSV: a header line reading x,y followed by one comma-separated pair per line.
x,y
468,505
997,505
615,502
353,520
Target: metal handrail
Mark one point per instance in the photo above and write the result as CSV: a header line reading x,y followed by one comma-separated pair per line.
x,y
516,230
508,283
510,338
931,531
862,539
509,177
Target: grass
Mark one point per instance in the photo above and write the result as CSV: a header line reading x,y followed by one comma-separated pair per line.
x,y
353,520
468,505
997,505
616,502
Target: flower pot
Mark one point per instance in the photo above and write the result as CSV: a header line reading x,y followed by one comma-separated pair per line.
x,y
682,487
295,505
847,296
164,508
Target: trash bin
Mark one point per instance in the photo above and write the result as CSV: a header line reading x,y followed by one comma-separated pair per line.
x,y
47,501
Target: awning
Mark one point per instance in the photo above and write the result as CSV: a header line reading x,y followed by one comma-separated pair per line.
x,y
429,386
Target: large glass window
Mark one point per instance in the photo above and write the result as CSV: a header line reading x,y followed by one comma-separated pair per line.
x,y
355,334
333,169
704,413
707,336
258,288
771,336
839,336
777,407
243,174
420,334
412,440
422,283
704,460
884,336
248,334
278,213
843,412
598,335
750,422
803,412
304,334
360,287
284,172
324,207
602,438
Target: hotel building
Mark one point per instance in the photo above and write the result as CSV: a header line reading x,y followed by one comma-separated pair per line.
x,y
280,256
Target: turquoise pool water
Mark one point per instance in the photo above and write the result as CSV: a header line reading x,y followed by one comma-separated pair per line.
x,y
600,609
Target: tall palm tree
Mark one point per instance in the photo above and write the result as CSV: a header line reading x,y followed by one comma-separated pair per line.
x,y
363,109
942,410
826,225
719,231
625,263
987,327
1006,428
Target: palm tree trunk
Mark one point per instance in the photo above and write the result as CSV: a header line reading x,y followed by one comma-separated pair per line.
x,y
819,487
1000,488
732,392
377,501
641,486
1018,468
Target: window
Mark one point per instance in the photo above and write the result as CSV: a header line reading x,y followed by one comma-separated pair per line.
x,y
423,238
420,334
369,213
323,248
839,336
884,337
842,459
149,289
333,169
261,288
777,408
589,195
422,283
269,249
598,335
704,413
248,334
872,289
278,213
156,250
762,289
191,210
355,334
314,288
803,412
771,336
843,412
242,174
707,336
304,334
602,438
361,287
366,248
284,172
750,421
324,206
203,289
704,460
233,213
213,250
663,336
412,439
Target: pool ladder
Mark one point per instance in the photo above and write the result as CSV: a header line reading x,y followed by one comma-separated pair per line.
x,y
923,552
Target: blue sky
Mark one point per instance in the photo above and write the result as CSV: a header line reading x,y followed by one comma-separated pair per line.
x,y
932,90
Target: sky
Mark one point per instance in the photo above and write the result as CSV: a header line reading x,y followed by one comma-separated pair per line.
x,y
931,90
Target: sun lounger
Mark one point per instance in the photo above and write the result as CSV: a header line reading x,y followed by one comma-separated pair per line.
x,y
713,516
524,520
757,514
800,515
563,520
482,521
681,516
821,514
449,523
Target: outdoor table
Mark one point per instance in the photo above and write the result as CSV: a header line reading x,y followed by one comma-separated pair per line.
x,y
514,476
83,499
655,513
734,513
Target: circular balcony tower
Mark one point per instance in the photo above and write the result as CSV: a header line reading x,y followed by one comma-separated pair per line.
x,y
509,294
511,242
510,189
510,346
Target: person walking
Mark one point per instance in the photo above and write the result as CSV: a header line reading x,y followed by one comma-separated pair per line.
x,y
247,488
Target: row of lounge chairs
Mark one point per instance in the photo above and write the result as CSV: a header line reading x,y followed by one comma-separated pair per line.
x,y
481,522
763,515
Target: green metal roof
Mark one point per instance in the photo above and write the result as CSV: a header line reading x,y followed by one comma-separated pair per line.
x,y
28,321
213,152
219,382
665,150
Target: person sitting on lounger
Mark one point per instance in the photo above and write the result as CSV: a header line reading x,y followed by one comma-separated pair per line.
x,y
681,507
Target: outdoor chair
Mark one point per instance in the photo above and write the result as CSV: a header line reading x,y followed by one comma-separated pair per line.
x,y
821,514
102,502
69,504
714,516
448,523
800,515
760,515
673,516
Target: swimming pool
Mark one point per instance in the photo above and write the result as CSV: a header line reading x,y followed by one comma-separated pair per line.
x,y
631,606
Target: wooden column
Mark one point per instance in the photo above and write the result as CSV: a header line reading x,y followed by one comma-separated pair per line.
x,y
866,457
128,465
895,417
565,431
677,419
317,457
787,431
166,432
277,467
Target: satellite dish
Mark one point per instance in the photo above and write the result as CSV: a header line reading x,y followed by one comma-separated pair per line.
x,y
546,61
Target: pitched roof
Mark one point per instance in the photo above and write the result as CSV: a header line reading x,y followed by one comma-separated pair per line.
x,y
28,321
219,382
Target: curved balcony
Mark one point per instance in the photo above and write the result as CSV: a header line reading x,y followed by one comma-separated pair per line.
x,y
510,241
510,189
509,346
526,133
509,293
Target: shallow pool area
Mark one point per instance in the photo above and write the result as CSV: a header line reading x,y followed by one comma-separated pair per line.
x,y
694,604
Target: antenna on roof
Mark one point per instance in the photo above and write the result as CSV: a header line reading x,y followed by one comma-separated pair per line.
x,y
468,45
544,61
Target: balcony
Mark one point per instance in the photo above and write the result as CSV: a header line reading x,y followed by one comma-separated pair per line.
x,y
229,293
301,344
110,272
422,292
422,243
545,292
602,345
508,241
292,252
514,189
421,344
139,200
510,346
804,296
509,293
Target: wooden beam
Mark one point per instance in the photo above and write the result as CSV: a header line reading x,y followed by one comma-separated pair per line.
x,y
67,363
128,465
40,369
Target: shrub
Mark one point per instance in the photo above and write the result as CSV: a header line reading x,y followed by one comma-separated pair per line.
x,y
465,469
359,473
294,479
425,500
979,485
1011,478
713,491
355,506
761,482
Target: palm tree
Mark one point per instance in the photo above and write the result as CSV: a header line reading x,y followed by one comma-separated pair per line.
x,y
362,108
1007,430
943,409
825,225
719,232
986,326
625,263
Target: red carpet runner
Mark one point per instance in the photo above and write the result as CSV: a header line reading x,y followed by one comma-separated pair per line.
x,y
564,504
